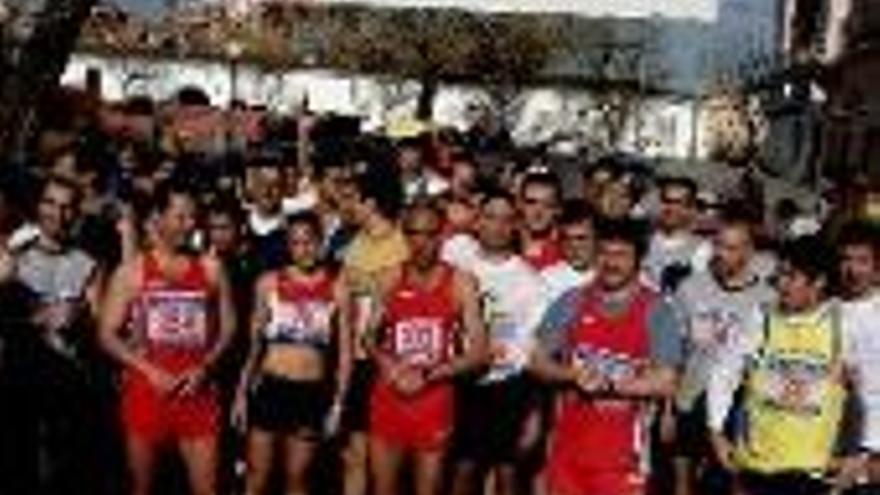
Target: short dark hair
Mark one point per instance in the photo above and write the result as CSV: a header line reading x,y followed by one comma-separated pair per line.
x,y
545,179
64,183
604,164
575,212
309,218
425,205
227,206
629,231
860,233
686,183
494,193
380,183
738,214
327,158
809,255
167,190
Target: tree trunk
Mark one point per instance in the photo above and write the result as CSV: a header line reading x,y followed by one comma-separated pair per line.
x,y
33,66
425,107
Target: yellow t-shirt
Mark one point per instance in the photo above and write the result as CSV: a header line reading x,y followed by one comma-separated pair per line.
x,y
368,261
371,255
794,395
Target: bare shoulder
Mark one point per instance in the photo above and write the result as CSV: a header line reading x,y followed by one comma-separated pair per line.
x,y
213,267
266,281
126,277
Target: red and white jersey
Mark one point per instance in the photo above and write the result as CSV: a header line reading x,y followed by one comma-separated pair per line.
x,y
616,347
175,316
421,322
301,310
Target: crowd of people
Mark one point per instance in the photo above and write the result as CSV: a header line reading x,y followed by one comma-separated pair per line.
x,y
355,321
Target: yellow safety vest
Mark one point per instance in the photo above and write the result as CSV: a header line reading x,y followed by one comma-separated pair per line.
x,y
794,395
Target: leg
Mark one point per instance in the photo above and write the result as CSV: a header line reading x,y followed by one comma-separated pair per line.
x,y
464,478
505,479
385,463
355,459
141,457
429,471
298,454
200,457
260,447
683,473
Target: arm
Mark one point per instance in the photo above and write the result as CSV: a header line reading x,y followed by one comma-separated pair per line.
x,y
258,320
725,377
225,312
658,377
656,381
552,335
120,294
474,331
551,370
345,338
93,293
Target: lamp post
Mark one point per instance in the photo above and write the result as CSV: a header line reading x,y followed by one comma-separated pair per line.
x,y
233,53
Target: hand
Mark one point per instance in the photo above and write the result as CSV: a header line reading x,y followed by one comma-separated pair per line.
x,y
239,410
589,380
440,373
191,381
668,426
724,451
54,317
850,471
531,431
409,381
333,419
162,381
630,385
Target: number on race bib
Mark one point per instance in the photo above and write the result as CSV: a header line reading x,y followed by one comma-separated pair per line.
x,y
419,341
176,319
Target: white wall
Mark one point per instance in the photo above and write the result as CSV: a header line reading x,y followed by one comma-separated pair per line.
x,y
538,115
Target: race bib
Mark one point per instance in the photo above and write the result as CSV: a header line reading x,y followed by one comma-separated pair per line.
x,y
419,341
610,365
303,322
177,318
795,385
711,329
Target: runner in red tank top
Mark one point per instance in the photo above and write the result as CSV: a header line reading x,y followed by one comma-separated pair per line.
x,y
178,309
616,345
430,311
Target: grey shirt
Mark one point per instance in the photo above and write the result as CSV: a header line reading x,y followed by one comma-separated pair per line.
x,y
54,276
715,316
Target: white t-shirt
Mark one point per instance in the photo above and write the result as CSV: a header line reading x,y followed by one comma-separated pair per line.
x,y
461,251
306,200
262,225
681,248
513,300
561,276
861,326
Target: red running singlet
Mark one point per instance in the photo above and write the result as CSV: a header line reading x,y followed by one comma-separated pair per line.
x,y
420,328
598,444
544,254
174,322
